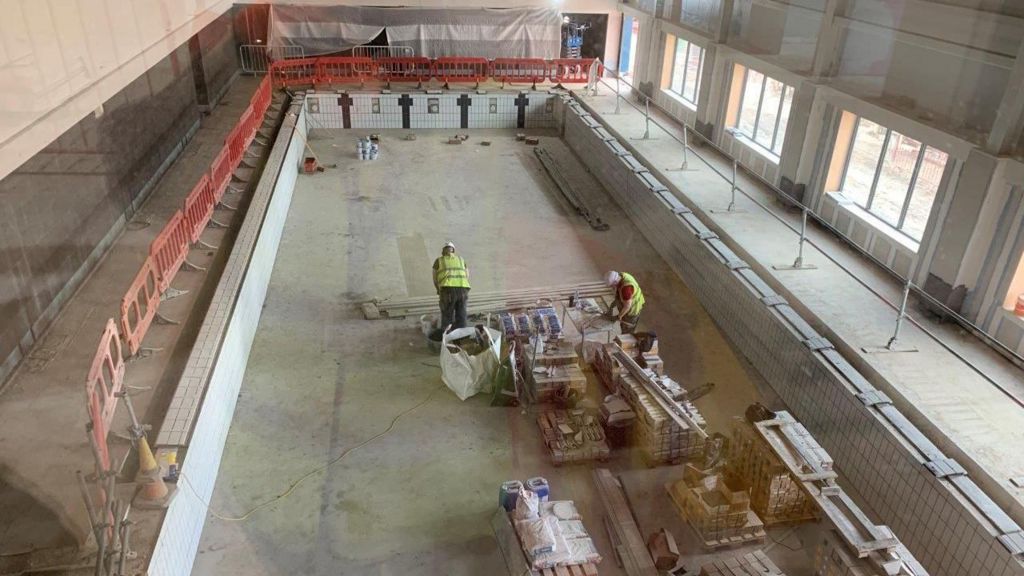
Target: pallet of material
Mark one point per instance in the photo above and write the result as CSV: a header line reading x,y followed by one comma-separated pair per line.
x,y
573,436
515,558
659,438
719,515
552,353
630,548
754,564
547,384
574,570
775,495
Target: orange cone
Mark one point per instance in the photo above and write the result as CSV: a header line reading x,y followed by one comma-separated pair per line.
x,y
154,491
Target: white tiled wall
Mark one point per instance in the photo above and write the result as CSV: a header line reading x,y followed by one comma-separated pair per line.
x,y
948,534
491,110
218,360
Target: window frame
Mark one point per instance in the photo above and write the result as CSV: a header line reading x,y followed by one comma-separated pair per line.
x,y
918,163
686,69
786,89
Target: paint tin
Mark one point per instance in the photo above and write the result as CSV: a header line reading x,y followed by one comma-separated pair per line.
x,y
509,494
540,487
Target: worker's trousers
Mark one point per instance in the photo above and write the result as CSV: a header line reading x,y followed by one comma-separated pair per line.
x,y
453,307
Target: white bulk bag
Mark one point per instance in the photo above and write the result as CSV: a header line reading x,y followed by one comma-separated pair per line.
x,y
467,375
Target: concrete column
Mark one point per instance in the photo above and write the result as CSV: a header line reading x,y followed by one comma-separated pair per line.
x,y
724,22
801,139
961,236
1009,123
825,52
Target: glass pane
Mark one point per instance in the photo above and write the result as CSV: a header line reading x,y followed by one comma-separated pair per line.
x,y
860,173
679,66
769,112
894,179
928,179
787,103
692,74
751,94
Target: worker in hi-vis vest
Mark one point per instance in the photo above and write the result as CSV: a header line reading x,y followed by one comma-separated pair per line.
x,y
629,300
451,280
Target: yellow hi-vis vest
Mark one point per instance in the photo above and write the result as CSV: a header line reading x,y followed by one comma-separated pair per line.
x,y
450,272
638,295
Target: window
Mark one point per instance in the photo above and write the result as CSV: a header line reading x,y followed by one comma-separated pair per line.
x,y
687,65
762,109
892,176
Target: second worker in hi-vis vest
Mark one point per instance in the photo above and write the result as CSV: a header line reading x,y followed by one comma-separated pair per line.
x,y
451,280
629,300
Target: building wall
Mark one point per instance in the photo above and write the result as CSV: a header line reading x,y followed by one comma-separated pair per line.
x,y
218,56
949,74
61,209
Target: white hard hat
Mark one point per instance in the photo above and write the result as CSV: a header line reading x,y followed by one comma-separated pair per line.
x,y
612,278
449,244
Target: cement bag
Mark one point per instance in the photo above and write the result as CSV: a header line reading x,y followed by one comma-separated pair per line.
x,y
465,373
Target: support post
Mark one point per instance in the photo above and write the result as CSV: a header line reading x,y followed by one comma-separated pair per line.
x,y
892,345
731,209
647,120
617,94
686,152
798,264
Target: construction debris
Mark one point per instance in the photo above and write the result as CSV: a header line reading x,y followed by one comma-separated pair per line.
x,y
663,549
575,199
532,141
485,143
410,137
520,137
720,515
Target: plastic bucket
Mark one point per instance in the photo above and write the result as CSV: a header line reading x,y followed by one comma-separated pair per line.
x,y
434,340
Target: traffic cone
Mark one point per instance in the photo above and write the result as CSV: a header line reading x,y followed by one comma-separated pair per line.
x,y
153,493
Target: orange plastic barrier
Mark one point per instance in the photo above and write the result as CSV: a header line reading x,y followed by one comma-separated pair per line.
x,y
526,70
138,306
169,249
104,383
457,69
199,208
336,69
236,141
404,69
571,70
296,71
220,173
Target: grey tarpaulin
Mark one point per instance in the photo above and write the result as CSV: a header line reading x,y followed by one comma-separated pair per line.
x,y
432,32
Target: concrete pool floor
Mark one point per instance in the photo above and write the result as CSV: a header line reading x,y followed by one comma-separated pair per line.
x,y
322,380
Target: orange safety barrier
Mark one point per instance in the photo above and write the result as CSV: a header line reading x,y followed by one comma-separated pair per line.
x,y
459,69
236,142
296,71
138,306
527,70
199,208
404,69
571,70
332,69
249,123
102,387
169,249
220,173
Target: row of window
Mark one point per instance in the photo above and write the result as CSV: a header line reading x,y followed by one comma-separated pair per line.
x,y
892,176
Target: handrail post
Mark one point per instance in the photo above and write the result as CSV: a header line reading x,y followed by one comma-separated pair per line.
x,y
731,209
798,264
899,317
647,119
686,152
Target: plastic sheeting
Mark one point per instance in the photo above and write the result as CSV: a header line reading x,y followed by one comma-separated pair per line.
x,y
431,32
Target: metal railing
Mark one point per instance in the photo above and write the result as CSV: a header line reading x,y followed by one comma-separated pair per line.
x,y
256,58
375,52
908,285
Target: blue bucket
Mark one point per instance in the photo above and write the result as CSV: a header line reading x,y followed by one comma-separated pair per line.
x,y
540,487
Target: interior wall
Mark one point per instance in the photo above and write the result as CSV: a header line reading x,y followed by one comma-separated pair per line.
x,y
61,209
218,58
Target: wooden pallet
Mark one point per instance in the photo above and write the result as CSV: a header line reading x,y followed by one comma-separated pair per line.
x,y
559,429
573,570
738,528
753,564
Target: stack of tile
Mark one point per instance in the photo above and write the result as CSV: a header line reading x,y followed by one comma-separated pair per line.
x,y
775,495
658,436
572,550
718,514
754,564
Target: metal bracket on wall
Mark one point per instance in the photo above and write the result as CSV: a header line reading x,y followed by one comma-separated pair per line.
x,y
818,343
773,300
874,397
944,467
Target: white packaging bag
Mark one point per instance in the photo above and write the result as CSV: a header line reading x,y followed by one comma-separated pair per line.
x,y
467,375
